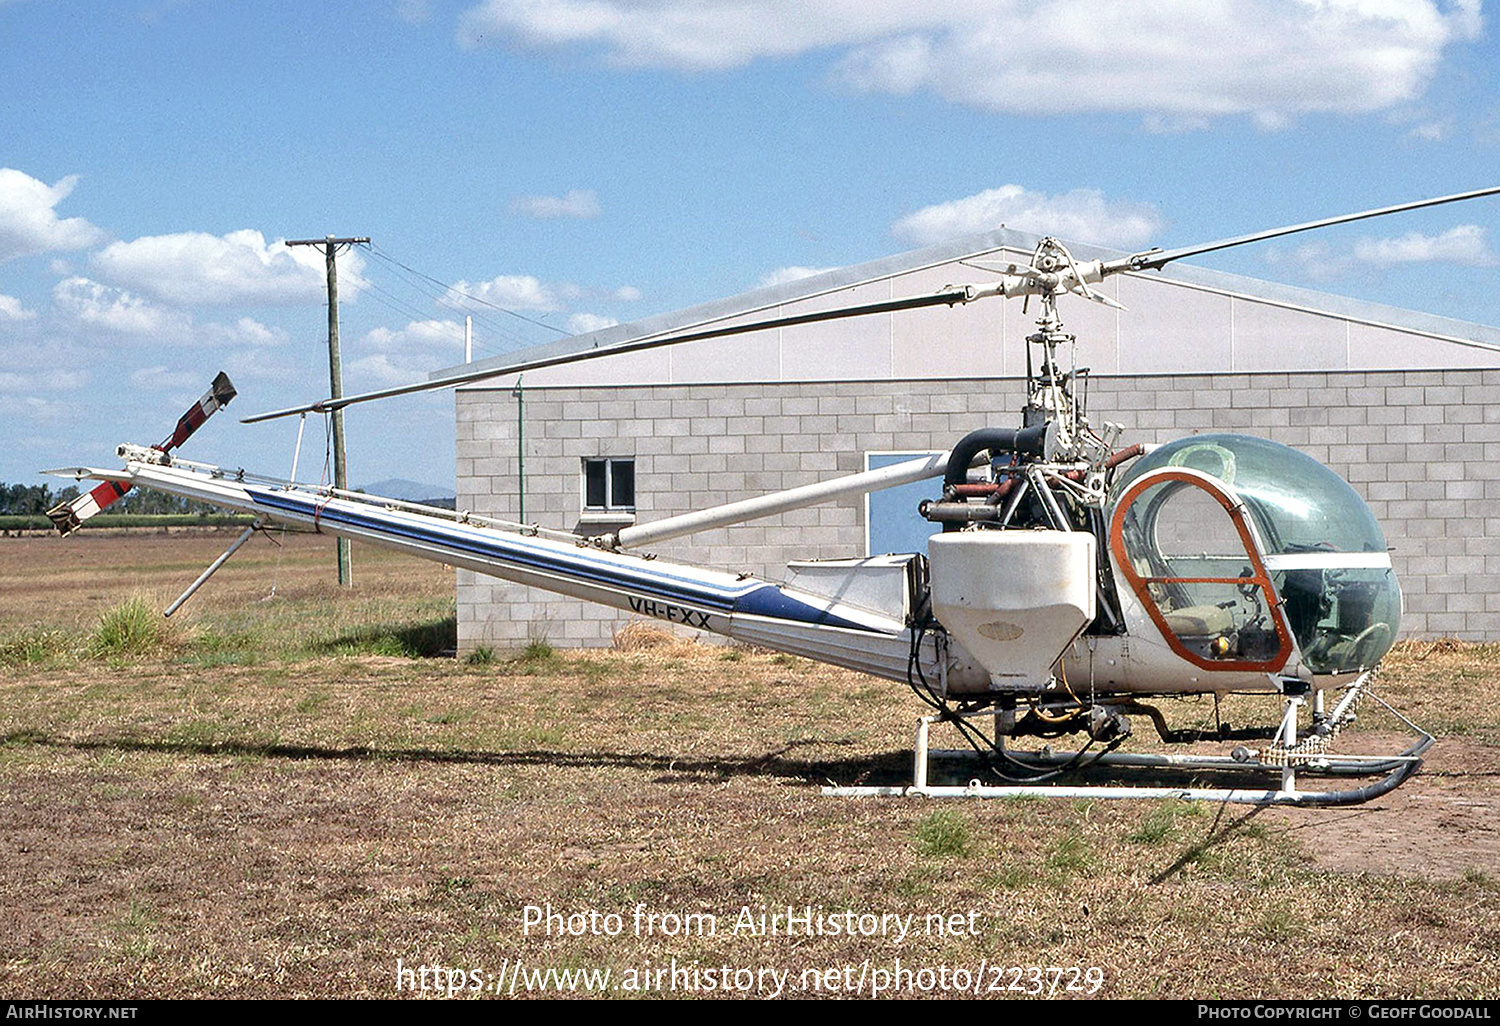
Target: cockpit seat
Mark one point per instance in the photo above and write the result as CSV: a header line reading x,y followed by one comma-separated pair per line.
x,y
1199,621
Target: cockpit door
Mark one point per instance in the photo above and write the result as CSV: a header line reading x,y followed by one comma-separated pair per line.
x,y
1189,551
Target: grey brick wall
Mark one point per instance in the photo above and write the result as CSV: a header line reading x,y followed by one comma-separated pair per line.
x,y
1423,448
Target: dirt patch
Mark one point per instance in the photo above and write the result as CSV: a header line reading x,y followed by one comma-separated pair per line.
x,y
1444,823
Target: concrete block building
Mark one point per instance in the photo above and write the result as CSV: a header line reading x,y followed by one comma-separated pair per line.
x,y
1404,405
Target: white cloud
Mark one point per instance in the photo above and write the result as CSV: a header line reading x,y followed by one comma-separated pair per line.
x,y
1431,131
40,361
12,310
1313,259
1177,59
28,222
583,323
1158,123
1465,244
244,332
406,354
580,203
683,34
782,275
445,336
511,292
518,292
898,66
161,378
380,370
1083,215
195,268
1182,60
43,381
115,310
1270,120
35,410
277,366
1468,20
42,374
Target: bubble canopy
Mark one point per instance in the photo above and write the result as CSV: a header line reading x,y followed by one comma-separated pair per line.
x,y
1326,553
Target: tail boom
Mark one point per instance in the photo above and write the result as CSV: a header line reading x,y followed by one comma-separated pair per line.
x,y
737,606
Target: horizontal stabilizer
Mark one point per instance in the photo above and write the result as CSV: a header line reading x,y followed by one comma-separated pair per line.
x,y
89,474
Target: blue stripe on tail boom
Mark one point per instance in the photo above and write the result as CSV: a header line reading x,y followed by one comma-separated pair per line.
x,y
751,598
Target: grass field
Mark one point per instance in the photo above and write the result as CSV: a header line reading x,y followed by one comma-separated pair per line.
x,y
293,794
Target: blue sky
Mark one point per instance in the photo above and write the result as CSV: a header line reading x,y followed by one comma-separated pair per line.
x,y
580,162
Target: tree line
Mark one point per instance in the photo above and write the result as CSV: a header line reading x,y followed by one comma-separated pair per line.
x,y
34,500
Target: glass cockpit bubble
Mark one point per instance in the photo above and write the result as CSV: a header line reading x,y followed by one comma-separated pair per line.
x,y
1325,552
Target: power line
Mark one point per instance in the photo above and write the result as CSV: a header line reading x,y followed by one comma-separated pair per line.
x,y
440,295
392,301
448,289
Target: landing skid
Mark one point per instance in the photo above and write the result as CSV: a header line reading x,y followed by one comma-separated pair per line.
x,y
1285,759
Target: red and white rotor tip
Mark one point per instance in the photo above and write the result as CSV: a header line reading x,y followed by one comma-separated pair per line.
x,y
68,516
218,394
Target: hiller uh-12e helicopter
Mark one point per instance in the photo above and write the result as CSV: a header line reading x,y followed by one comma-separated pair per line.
x,y
1071,580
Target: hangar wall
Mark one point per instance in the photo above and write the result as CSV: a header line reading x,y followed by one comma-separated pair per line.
x,y
1422,446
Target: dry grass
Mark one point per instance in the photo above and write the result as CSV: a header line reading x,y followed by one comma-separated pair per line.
x,y
643,636
287,802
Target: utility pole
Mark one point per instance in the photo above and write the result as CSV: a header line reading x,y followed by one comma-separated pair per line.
x,y
330,247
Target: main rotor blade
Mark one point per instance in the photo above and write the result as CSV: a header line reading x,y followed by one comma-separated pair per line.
x,y
949,296
1148,261
1154,260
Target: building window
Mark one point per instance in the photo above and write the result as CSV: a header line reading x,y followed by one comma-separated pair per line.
x,y
609,485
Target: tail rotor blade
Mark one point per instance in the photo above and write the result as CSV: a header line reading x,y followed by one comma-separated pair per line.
x,y
67,517
219,393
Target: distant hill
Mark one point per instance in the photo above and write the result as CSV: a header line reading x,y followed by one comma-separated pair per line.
x,y
411,491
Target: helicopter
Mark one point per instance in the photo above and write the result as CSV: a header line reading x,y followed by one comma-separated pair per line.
x,y
1073,578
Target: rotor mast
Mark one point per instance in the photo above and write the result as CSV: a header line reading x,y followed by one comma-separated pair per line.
x,y
1050,389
